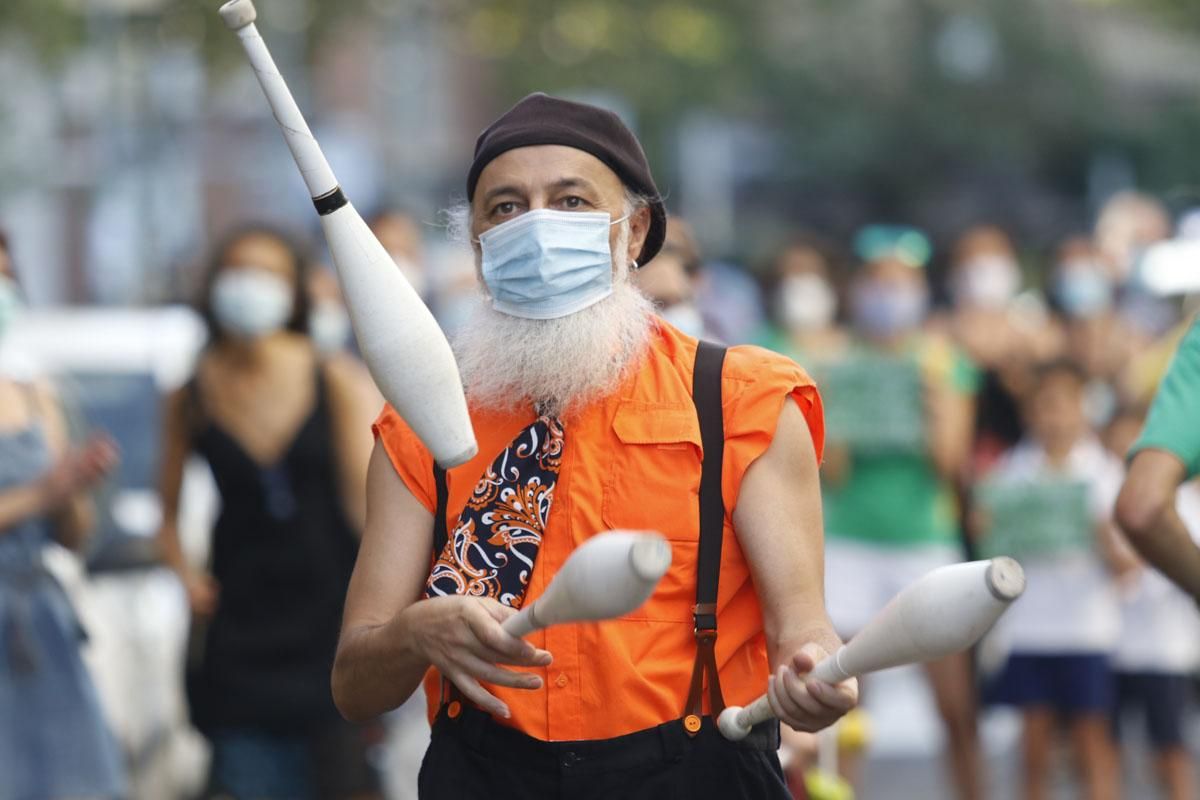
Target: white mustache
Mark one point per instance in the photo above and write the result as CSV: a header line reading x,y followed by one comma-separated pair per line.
x,y
560,364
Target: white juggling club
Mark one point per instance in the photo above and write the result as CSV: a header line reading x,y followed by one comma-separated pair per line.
x,y
610,574
943,612
403,346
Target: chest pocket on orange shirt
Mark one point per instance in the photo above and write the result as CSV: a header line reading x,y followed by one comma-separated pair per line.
x,y
653,483
654,476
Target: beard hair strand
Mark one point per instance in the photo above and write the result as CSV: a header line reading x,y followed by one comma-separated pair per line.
x,y
558,365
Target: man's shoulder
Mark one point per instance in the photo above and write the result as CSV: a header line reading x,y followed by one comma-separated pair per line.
x,y
750,362
744,363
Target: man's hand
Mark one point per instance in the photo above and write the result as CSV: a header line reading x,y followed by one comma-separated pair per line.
x,y
463,638
803,702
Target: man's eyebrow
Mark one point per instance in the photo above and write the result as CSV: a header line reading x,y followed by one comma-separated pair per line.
x,y
499,190
573,183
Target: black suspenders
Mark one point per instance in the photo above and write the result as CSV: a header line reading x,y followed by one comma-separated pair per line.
x,y
706,395
440,533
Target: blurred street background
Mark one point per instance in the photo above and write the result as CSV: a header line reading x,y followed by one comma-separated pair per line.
x,y
135,130
1036,163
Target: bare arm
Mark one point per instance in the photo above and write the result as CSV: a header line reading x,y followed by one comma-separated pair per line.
x,y
202,589
171,463
1146,511
950,417
390,637
73,515
354,402
1115,550
75,471
22,502
60,494
779,527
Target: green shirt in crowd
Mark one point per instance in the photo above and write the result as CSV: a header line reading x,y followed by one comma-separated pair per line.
x,y
895,497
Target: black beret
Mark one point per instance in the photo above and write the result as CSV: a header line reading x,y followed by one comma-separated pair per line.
x,y
541,119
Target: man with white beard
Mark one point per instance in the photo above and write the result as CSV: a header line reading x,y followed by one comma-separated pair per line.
x,y
592,414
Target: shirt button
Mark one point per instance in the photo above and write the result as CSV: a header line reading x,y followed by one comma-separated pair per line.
x,y
562,679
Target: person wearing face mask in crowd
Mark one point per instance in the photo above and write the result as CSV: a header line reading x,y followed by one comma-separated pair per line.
x,y
456,290
328,321
1128,224
1003,338
400,235
1094,335
1061,636
803,303
282,429
890,502
591,413
1148,365
332,334
669,280
54,740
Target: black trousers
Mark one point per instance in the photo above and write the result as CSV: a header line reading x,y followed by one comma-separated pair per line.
x,y
473,757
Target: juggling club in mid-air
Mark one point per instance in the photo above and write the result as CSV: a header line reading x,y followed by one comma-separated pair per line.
x,y
404,348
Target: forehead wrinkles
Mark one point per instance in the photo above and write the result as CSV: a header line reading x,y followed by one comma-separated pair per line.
x,y
539,167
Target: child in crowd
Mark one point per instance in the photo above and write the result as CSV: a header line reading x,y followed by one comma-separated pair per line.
x,y
1159,647
1062,632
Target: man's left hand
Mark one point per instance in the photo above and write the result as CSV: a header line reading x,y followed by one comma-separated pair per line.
x,y
802,701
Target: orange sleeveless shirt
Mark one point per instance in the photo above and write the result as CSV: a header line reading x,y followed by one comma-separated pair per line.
x,y
633,460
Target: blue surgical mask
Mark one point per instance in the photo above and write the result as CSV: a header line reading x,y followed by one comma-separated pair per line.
x,y
885,310
249,302
547,264
1083,291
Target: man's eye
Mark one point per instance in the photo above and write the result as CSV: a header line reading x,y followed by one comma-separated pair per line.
x,y
504,209
574,202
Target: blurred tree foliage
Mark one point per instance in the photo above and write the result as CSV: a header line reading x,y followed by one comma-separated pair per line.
x,y
1170,12
54,28
50,27
894,100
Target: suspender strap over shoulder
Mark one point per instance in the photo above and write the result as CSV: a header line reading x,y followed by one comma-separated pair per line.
x,y
706,394
440,533
451,697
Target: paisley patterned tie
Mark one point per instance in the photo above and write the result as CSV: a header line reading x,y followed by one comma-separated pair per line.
x,y
492,548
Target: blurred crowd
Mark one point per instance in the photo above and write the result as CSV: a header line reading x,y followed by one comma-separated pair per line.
x,y
979,399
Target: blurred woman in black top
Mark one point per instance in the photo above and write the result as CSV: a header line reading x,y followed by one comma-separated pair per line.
x,y
286,433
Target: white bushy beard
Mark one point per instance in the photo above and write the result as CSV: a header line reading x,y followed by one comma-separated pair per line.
x,y
559,364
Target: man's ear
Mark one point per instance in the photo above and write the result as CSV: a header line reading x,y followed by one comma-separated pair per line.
x,y
639,228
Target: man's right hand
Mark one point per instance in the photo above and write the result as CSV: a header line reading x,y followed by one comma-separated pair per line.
x,y
463,638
